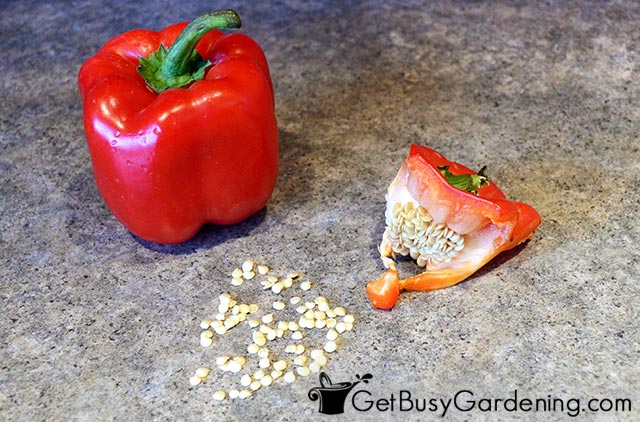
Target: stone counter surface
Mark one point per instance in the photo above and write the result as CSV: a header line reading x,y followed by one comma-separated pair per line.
x,y
99,325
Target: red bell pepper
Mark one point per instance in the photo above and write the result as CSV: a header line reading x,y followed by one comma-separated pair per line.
x,y
450,219
181,127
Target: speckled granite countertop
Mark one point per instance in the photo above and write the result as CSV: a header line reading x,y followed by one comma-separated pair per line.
x,y
98,325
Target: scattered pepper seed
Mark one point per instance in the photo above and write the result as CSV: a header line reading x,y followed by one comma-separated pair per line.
x,y
195,380
219,395
279,305
202,372
330,346
246,380
305,285
295,300
303,371
263,269
332,334
247,266
277,288
289,377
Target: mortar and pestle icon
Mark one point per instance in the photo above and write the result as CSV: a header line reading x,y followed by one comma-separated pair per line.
x,y
332,396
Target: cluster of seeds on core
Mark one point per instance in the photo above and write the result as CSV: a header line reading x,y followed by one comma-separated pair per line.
x,y
413,232
266,360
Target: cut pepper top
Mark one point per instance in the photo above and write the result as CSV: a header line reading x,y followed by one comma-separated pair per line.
x,y
448,231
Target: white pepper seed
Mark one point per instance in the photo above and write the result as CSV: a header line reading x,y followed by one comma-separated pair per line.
x,y
205,324
259,339
330,346
278,305
332,334
316,353
321,360
300,360
323,306
303,371
253,348
246,380
247,266
349,319
245,394
341,327
277,288
234,394
305,285
195,380
264,363
263,352
255,385
280,365
289,377
267,380
249,275
290,348
253,323
268,318
272,334
202,372
205,342
297,335
221,360
237,273
237,281
295,300
340,311
263,269
219,395
283,325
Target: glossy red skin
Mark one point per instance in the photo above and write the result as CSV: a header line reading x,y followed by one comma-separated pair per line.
x,y
167,163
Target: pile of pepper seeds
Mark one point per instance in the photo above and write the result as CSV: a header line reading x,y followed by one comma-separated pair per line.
x,y
283,343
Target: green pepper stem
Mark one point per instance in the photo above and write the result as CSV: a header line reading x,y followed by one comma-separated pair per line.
x,y
179,57
181,64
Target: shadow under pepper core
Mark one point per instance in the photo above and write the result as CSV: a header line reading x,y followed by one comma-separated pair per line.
x,y
181,127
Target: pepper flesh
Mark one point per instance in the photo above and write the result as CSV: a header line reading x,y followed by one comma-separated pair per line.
x,y
476,228
166,163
